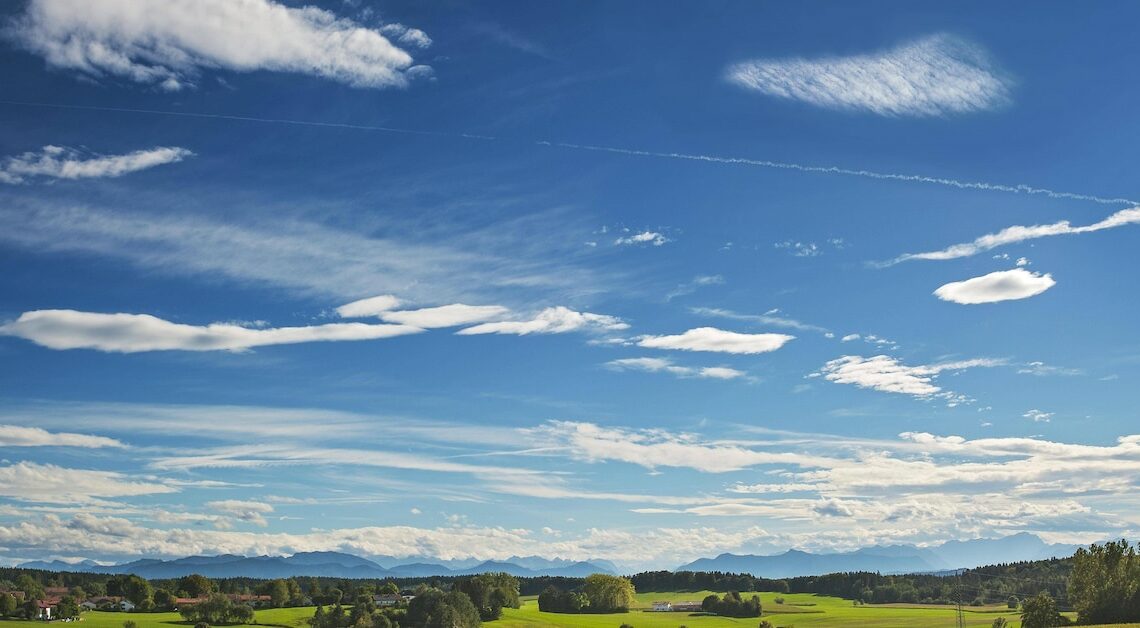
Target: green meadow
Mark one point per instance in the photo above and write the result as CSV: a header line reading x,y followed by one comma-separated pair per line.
x,y
798,611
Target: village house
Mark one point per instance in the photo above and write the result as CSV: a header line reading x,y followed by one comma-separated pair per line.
x,y
387,599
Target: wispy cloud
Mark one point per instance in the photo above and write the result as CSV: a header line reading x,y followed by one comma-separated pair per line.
x,y
933,76
132,333
245,510
58,162
717,340
552,320
655,448
51,484
888,374
643,237
800,249
771,317
307,257
1020,233
21,436
168,43
662,365
698,282
1003,285
452,315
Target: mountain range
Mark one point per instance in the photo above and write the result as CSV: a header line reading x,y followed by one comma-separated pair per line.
x,y
947,556
330,564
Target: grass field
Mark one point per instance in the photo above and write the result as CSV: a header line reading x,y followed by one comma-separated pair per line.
x,y
285,617
798,610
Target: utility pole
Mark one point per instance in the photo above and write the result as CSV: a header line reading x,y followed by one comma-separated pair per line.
x,y
961,617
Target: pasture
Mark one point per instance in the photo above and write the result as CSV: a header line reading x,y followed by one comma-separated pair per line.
x,y
798,611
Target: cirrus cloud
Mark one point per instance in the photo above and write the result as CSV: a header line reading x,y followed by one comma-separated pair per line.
x,y
1021,233
59,162
932,76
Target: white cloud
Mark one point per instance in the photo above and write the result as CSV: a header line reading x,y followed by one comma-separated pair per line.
x,y
655,448
1038,416
131,333
309,257
1002,285
51,484
850,337
700,281
20,436
57,162
552,320
662,365
717,340
372,306
800,249
168,43
269,455
444,315
887,374
407,35
1021,233
772,317
932,76
248,511
644,237
1042,369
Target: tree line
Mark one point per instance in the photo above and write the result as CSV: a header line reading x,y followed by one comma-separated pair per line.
x,y
599,593
463,603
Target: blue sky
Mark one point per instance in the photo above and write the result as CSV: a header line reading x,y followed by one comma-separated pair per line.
x,y
586,280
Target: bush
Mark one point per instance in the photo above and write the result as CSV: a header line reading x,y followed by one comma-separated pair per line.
x,y
779,600
626,626
131,624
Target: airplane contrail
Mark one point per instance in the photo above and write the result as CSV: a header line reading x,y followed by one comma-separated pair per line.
x,y
870,174
742,161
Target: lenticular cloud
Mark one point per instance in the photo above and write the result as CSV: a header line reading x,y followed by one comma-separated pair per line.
x,y
1003,285
933,76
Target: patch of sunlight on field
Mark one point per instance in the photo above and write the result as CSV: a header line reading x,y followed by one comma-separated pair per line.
x,y
798,610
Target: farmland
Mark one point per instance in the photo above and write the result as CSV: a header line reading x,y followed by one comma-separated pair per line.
x,y
798,610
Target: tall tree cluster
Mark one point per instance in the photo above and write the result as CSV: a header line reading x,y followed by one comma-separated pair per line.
x,y
1105,584
732,605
